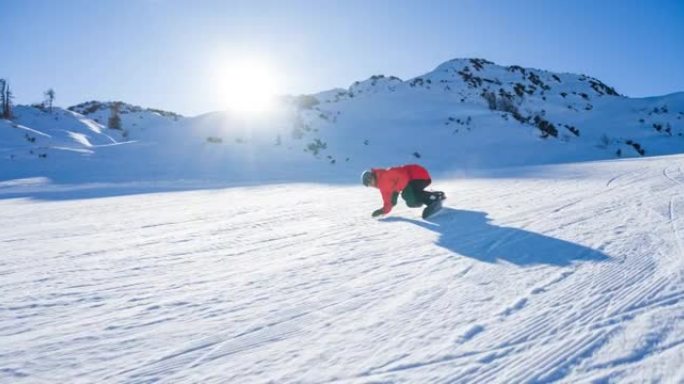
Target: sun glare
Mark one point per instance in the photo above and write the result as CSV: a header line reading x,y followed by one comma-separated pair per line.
x,y
248,86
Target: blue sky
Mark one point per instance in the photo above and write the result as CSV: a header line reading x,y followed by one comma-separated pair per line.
x,y
164,53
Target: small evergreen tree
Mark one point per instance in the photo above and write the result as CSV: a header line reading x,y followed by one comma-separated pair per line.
x,y
114,121
2,98
2,95
5,100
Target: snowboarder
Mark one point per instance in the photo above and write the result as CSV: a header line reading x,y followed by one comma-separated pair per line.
x,y
409,180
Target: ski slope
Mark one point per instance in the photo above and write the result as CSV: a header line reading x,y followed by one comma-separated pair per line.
x,y
570,273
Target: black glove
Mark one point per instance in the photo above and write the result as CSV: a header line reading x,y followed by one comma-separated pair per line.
x,y
378,212
395,197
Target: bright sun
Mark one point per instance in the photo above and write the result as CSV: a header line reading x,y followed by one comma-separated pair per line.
x,y
248,86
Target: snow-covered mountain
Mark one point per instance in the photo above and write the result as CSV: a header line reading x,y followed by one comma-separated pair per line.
x,y
465,115
472,113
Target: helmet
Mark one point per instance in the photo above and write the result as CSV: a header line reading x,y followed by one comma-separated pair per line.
x,y
367,177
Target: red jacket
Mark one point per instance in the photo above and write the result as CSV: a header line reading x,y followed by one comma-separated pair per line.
x,y
395,179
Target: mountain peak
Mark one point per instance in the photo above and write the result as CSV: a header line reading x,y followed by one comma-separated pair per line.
x,y
459,63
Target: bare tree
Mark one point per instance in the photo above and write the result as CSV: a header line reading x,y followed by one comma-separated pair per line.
x,y
49,98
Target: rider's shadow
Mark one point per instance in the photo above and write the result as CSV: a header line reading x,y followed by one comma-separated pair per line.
x,y
470,233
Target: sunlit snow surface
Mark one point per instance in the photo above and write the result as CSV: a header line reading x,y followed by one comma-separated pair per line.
x,y
535,274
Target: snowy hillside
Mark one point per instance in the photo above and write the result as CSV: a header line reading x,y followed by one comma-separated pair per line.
x,y
39,134
471,113
67,146
464,116
569,273
137,123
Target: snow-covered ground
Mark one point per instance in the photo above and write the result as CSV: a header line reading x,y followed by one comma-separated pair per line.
x,y
568,273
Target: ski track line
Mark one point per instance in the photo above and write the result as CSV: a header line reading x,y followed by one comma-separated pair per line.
x,y
632,177
612,179
673,216
568,205
666,173
676,233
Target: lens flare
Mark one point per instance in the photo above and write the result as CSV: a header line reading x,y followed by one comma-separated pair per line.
x,y
248,86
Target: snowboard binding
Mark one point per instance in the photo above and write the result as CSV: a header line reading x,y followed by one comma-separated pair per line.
x,y
435,196
434,203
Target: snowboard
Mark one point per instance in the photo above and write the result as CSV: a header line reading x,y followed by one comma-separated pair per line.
x,y
431,209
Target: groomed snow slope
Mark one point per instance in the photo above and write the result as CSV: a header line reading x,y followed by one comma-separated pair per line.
x,y
571,273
